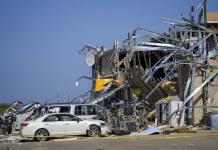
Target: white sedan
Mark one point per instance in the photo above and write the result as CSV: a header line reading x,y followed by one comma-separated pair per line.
x,y
53,125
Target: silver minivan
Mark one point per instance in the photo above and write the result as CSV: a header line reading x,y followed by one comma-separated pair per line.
x,y
83,111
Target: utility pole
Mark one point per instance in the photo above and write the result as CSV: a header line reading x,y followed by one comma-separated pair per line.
x,y
46,100
68,98
58,97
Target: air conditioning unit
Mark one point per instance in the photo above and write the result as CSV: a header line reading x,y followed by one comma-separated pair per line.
x,y
212,120
164,111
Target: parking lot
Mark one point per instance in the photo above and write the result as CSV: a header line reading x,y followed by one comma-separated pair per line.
x,y
201,141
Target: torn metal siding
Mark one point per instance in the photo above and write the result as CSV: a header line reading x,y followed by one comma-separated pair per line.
x,y
155,66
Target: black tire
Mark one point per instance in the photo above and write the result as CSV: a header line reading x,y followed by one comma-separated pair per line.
x,y
94,130
41,135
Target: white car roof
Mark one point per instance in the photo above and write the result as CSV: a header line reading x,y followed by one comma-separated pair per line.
x,y
70,105
46,115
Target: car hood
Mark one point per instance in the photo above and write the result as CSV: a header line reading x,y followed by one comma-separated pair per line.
x,y
93,121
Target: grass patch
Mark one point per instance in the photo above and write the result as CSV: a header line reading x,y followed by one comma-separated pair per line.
x,y
3,107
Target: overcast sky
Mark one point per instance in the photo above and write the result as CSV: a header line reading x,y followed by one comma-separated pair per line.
x,y
40,40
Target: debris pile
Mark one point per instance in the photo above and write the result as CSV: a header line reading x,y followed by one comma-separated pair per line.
x,y
155,77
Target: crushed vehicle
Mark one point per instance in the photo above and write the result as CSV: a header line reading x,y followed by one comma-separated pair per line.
x,y
61,124
9,122
18,113
27,111
9,116
16,105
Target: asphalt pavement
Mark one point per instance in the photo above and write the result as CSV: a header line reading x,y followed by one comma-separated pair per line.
x,y
195,141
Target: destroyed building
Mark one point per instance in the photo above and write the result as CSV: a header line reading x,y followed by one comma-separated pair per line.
x,y
165,78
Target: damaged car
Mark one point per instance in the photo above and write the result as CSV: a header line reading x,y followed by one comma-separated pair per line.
x,y
62,124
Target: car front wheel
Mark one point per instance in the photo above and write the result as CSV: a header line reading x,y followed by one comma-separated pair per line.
x,y
94,130
41,135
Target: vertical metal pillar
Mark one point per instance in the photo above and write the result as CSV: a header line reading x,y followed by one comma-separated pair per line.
x,y
204,77
205,12
95,72
204,72
191,102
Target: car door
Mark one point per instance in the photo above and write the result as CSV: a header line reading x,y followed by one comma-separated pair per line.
x,y
54,125
74,125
